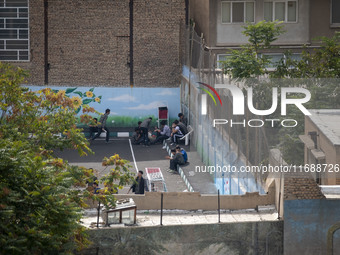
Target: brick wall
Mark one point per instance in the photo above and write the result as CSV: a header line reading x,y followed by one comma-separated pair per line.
x,y
89,42
301,188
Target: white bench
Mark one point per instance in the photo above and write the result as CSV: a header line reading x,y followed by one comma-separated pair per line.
x,y
187,136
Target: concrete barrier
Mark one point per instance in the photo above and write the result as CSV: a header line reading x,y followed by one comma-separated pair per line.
x,y
196,201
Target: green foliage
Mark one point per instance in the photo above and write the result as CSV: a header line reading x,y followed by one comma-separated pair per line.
x,y
323,62
42,196
247,62
315,71
263,33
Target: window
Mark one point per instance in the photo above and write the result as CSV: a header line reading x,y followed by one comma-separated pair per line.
x,y
221,57
238,12
14,30
335,12
276,58
285,11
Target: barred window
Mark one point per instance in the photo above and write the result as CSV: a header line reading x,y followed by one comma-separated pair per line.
x,y
14,30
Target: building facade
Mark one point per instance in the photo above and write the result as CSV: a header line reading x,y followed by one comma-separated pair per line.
x,y
322,144
221,23
94,43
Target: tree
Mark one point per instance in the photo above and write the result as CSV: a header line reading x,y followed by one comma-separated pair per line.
x,y
41,195
247,62
315,71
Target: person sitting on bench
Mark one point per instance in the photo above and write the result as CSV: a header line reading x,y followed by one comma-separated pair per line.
x,y
176,133
163,133
184,153
176,160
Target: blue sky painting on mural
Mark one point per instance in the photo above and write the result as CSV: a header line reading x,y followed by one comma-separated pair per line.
x,y
127,104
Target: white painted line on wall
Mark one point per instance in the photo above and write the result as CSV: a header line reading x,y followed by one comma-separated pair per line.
x,y
123,134
133,156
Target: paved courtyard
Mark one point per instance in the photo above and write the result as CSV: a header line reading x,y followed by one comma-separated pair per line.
x,y
140,157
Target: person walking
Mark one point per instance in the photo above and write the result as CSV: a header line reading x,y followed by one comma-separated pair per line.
x,y
93,128
102,126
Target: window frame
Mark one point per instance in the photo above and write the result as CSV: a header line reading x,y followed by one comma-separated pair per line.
x,y
231,12
286,10
18,35
218,59
333,25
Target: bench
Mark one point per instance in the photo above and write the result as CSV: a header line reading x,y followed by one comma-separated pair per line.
x,y
187,136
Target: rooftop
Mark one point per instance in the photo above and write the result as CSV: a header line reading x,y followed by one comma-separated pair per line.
x,y
327,120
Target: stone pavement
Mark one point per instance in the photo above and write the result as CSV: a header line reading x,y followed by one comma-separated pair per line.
x,y
195,181
152,156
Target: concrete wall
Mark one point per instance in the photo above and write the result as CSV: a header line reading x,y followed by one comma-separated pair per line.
x,y
306,226
196,201
275,159
320,11
88,42
232,239
331,151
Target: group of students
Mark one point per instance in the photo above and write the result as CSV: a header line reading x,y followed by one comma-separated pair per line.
x,y
177,131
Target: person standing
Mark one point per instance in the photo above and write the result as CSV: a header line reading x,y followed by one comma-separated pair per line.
x,y
144,126
102,126
140,184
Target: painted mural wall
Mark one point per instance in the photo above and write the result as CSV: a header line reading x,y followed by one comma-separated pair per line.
x,y
127,105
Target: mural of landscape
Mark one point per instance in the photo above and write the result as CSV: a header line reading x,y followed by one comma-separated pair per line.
x,y
127,105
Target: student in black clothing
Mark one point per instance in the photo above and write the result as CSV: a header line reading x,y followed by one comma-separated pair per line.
x,y
102,126
176,160
140,184
183,119
93,128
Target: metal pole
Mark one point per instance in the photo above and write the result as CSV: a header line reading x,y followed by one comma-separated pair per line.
x,y
98,209
161,208
219,214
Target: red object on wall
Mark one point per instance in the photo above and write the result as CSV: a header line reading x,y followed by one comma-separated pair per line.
x,y
163,112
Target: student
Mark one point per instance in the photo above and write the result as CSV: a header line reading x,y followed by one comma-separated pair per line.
x,y
102,126
182,127
95,188
163,133
184,153
176,160
140,184
183,119
137,136
93,127
176,133
144,126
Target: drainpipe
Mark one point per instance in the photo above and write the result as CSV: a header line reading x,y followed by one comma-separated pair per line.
x,y
46,64
131,43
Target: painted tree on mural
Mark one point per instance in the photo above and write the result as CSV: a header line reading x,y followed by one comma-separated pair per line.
x,y
317,70
41,195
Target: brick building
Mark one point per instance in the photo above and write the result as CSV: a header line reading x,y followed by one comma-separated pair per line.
x,y
94,43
